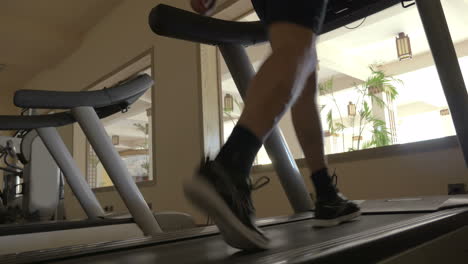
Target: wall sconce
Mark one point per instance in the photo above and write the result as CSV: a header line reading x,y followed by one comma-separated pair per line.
x,y
351,109
228,103
444,112
403,47
115,140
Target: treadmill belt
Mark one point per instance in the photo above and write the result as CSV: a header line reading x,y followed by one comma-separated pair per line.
x,y
212,249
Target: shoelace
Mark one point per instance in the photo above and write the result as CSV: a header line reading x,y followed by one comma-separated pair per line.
x,y
260,183
238,198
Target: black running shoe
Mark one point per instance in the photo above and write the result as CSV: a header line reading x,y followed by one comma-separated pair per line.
x,y
227,200
334,211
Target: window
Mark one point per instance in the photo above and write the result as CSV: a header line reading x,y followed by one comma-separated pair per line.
x,y
130,133
419,112
368,97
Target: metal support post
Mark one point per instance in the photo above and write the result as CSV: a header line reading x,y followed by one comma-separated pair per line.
x,y
115,167
75,178
446,61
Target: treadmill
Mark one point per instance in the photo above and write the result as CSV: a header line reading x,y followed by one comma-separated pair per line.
x,y
86,108
433,229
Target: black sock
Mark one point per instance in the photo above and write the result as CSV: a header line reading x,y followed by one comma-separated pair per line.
x,y
238,154
323,185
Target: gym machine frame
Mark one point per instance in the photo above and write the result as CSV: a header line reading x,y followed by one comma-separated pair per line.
x,y
428,227
87,109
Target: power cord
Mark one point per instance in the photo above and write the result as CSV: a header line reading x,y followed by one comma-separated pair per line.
x,y
260,183
362,22
5,152
402,4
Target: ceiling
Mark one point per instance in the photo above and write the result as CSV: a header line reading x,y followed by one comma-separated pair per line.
x,y
36,35
374,41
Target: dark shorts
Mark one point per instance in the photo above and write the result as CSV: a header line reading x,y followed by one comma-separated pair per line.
x,y
307,13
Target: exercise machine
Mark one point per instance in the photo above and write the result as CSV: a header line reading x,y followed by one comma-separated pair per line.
x,y
388,232
32,182
11,173
86,108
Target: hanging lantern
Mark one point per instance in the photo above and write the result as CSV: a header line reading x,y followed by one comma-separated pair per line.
x,y
444,112
115,140
351,109
403,47
228,103
327,133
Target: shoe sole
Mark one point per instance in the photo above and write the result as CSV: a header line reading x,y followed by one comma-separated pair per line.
x,y
235,233
335,221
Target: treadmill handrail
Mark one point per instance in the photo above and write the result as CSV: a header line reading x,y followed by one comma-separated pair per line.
x,y
124,93
173,22
176,23
105,102
17,122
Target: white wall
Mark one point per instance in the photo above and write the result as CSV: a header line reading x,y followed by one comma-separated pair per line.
x,y
117,39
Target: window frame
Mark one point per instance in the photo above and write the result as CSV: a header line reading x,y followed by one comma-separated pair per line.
x,y
121,70
363,154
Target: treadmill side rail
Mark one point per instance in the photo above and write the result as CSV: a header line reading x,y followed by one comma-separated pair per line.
x,y
367,246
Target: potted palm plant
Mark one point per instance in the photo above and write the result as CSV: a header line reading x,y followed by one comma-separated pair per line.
x,y
360,117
